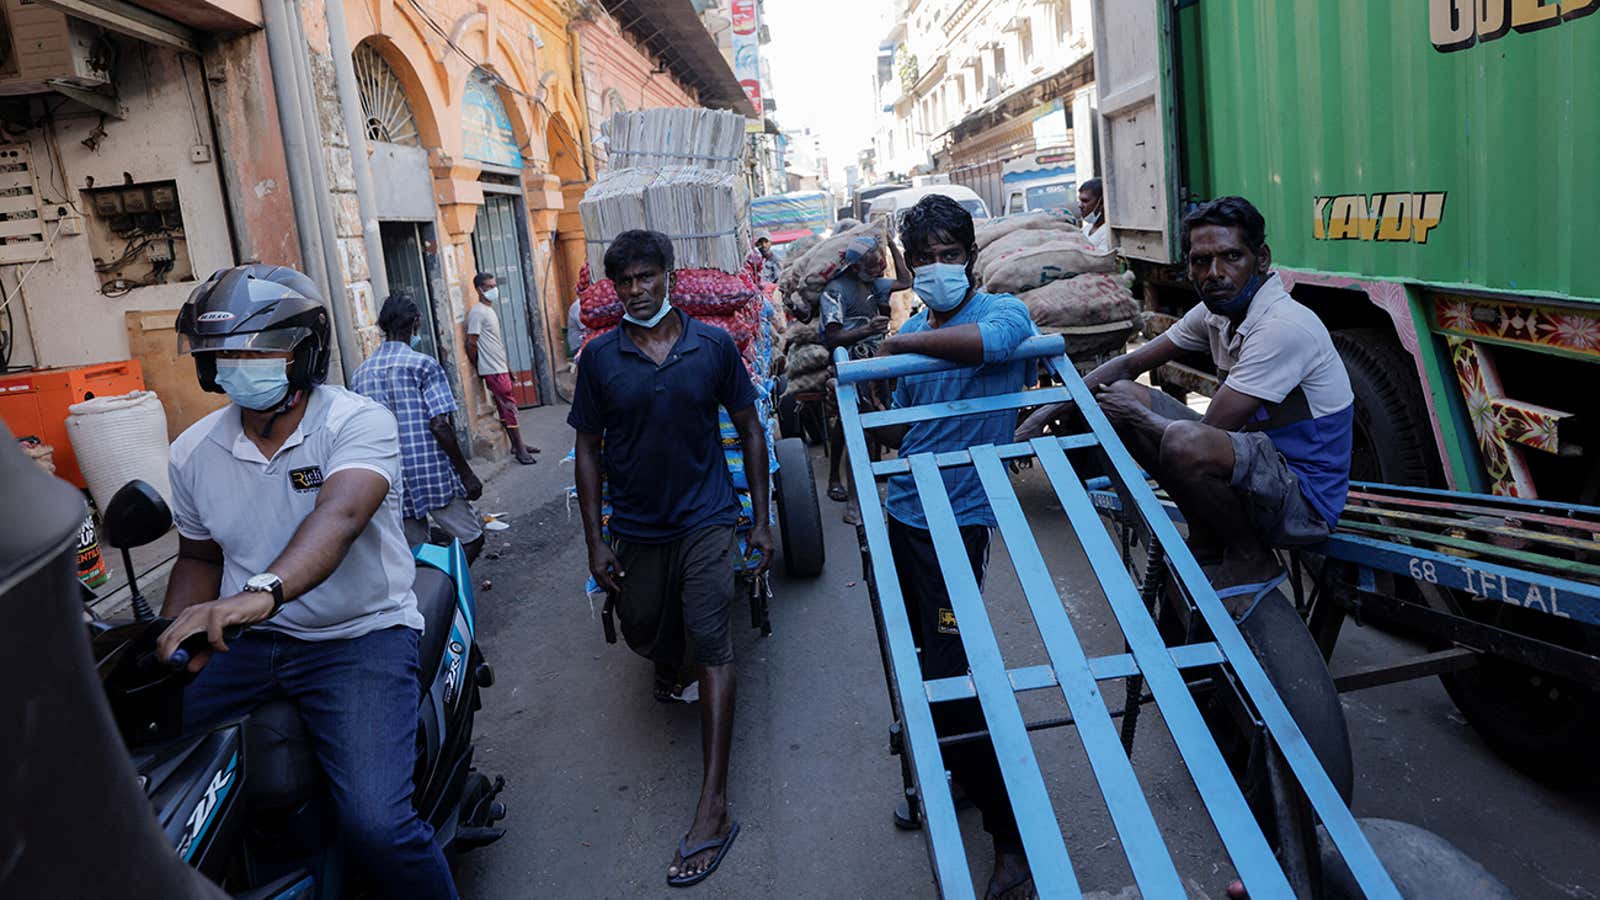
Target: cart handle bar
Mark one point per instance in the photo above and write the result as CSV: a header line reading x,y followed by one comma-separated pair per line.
x,y
902,364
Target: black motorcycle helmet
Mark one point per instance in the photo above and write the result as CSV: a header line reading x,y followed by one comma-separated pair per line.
x,y
257,307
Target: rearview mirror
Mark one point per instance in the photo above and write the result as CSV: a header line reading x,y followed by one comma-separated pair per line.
x,y
135,516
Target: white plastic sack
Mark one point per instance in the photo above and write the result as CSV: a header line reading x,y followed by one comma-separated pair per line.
x,y
118,439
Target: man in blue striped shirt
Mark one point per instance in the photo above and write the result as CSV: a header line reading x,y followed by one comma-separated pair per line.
x,y
962,324
438,481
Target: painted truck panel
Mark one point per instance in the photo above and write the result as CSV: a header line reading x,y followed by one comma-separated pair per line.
x,y
1416,141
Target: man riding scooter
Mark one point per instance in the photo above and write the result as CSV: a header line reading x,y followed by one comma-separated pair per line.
x,y
287,503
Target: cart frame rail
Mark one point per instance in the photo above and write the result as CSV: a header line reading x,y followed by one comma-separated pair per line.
x,y
1070,669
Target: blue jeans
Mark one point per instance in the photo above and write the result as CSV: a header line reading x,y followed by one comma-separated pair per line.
x,y
358,699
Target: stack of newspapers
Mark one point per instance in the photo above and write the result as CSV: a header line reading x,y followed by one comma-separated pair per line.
x,y
679,172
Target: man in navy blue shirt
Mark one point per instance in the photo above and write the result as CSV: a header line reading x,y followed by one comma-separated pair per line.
x,y
645,408
963,324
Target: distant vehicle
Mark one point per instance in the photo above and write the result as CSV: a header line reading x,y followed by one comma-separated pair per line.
x,y
787,218
897,202
1043,180
866,195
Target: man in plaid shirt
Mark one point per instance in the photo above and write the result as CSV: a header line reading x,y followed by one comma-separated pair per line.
x,y
438,481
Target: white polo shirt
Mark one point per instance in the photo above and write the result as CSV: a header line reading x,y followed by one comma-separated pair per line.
x,y
223,490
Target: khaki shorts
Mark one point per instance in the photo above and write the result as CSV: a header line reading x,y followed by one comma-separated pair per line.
x,y
457,518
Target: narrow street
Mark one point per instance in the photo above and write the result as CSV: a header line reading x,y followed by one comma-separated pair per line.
x,y
602,779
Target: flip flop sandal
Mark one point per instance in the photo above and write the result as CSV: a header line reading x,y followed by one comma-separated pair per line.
x,y
666,689
722,845
1255,591
838,494
1019,890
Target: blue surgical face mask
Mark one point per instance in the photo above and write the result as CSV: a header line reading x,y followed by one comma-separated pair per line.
x,y
1238,303
942,286
492,294
254,383
666,307
416,340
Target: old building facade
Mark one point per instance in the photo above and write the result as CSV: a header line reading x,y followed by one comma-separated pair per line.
x,y
378,145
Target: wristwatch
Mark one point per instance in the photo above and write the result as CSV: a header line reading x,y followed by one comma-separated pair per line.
x,y
267,583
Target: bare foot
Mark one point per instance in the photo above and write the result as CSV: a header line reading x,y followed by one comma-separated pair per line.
x,y
852,515
526,458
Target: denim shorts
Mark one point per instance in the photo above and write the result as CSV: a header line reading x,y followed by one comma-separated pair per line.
x,y
1264,482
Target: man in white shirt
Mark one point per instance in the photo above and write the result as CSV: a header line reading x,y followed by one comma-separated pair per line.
x,y
1092,208
487,351
1268,465
287,503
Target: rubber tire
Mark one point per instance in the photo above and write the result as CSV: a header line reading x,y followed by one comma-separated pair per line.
x,y
1422,865
1509,704
1294,664
1388,402
799,515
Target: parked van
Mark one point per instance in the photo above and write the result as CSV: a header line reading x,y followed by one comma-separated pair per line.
x,y
1043,180
897,202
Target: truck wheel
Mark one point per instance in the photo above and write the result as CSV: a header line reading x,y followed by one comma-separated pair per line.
x,y
1421,864
799,516
1543,724
1387,444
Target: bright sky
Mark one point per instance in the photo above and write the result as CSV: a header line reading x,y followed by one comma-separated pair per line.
x,y
823,55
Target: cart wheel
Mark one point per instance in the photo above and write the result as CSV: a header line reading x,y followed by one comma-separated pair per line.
x,y
1293,663
1543,724
799,516
1422,864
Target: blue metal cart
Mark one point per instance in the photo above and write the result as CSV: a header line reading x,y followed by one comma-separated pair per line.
x,y
1219,653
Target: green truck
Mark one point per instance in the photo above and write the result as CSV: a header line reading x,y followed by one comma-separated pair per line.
x,y
1427,173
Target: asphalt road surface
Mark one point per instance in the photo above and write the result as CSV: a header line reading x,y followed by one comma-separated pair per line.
x,y
602,779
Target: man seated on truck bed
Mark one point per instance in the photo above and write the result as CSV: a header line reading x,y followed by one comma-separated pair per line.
x,y
1268,465
968,326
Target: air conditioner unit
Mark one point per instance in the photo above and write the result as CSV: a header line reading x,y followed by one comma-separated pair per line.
x,y
42,46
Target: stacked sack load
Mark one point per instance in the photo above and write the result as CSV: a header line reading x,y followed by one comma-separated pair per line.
x,y
715,284
805,359
1046,261
806,274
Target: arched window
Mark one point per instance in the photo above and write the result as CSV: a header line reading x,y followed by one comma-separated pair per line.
x,y
614,103
489,135
383,99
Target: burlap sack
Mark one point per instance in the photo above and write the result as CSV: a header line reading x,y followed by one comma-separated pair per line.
x,y
993,230
801,333
808,383
1093,299
805,358
1029,239
1036,267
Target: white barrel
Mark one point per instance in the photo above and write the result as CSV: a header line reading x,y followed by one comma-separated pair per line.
x,y
118,439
